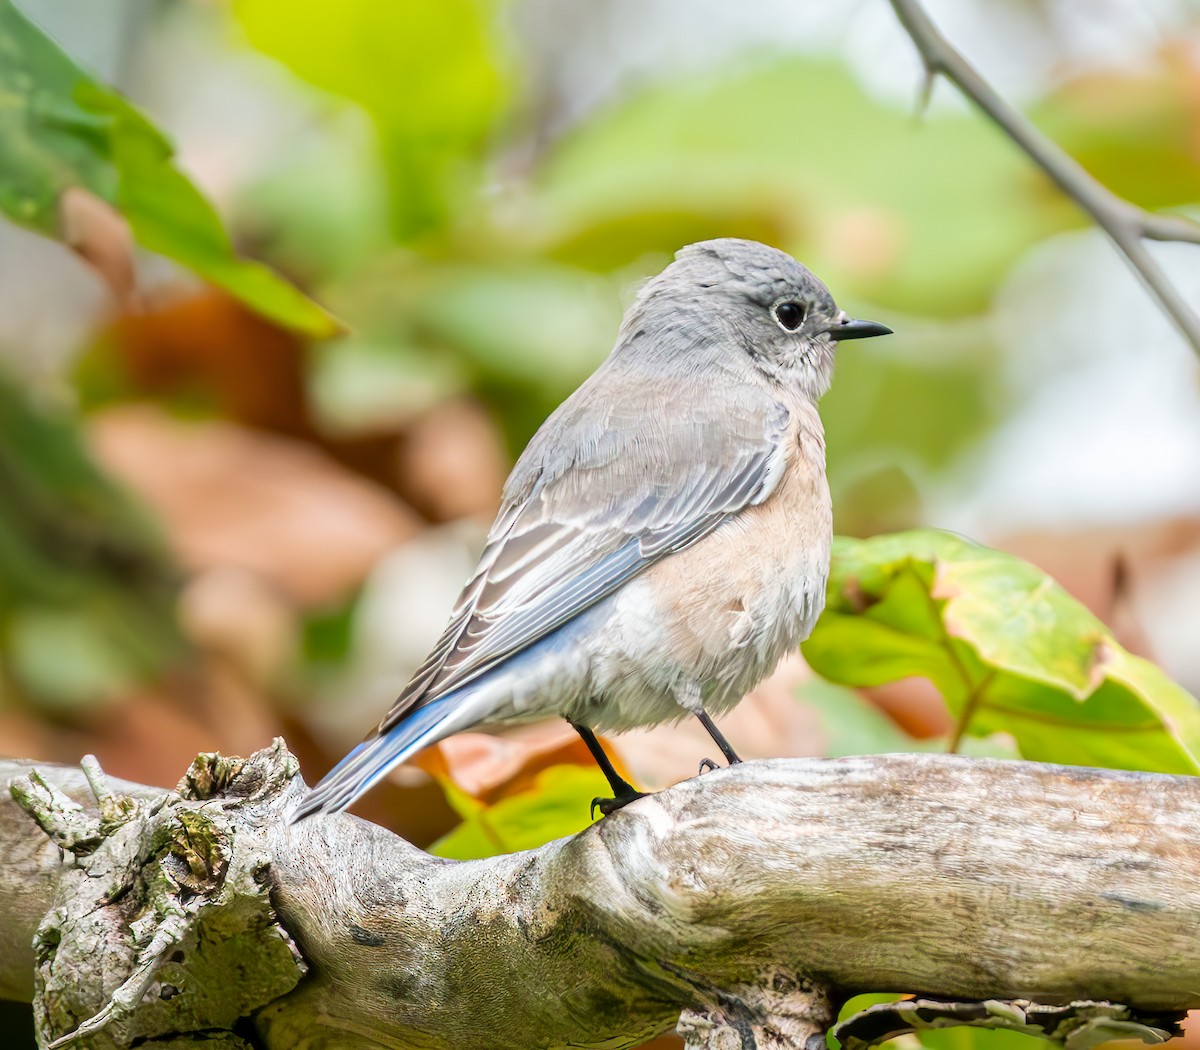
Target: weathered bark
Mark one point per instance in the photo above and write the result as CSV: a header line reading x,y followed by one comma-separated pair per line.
x,y
752,900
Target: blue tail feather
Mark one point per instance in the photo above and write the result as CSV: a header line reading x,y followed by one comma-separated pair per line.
x,y
373,758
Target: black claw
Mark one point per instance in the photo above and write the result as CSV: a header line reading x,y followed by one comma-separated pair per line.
x,y
707,765
623,791
611,805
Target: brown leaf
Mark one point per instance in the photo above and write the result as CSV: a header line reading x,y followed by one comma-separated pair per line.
x,y
241,619
152,735
452,462
490,768
915,705
251,370
99,234
238,498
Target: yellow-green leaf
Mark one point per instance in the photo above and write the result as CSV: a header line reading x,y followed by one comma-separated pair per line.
x,y
555,805
1008,648
428,74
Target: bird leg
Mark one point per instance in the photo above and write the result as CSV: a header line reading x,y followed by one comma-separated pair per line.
x,y
623,791
689,698
718,738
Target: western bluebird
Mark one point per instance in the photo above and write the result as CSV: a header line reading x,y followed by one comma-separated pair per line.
x,y
664,538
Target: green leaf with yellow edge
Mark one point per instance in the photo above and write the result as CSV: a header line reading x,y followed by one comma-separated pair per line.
x,y
1008,648
61,129
554,806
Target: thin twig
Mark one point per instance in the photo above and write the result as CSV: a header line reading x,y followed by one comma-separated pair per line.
x,y
1125,223
970,706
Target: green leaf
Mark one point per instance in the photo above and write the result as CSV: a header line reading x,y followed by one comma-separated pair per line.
x,y
966,1038
554,806
851,188
86,588
452,324
851,724
1140,149
59,129
1008,648
881,459
428,74
961,1037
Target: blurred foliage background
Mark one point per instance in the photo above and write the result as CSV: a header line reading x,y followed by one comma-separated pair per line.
x,y
285,288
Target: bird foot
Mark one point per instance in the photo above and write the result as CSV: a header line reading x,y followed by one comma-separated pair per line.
x,y
707,764
611,805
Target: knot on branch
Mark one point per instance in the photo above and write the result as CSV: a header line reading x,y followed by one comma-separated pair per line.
x,y
264,774
1076,1026
165,896
781,1012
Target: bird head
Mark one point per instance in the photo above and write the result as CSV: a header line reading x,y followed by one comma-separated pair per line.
x,y
768,306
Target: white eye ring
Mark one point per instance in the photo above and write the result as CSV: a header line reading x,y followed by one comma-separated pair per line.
x,y
789,314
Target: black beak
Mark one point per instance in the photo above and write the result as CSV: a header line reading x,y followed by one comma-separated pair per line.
x,y
849,329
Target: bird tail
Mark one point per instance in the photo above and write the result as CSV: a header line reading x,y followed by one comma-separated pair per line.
x,y
372,759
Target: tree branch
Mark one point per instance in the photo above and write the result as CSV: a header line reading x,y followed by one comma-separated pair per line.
x,y
1125,223
751,900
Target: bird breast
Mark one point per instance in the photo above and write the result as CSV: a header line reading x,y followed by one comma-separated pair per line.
x,y
727,608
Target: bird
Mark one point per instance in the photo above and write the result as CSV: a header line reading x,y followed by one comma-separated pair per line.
x,y
664,538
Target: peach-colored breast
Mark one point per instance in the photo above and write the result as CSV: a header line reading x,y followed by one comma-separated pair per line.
x,y
733,603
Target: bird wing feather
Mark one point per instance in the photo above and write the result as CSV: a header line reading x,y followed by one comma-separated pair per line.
x,y
602,492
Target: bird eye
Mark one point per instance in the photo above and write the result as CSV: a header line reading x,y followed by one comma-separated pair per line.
x,y
789,315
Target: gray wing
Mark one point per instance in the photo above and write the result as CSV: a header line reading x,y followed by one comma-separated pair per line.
x,y
621,475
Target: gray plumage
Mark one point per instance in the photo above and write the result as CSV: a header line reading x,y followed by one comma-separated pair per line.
x,y
664,537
